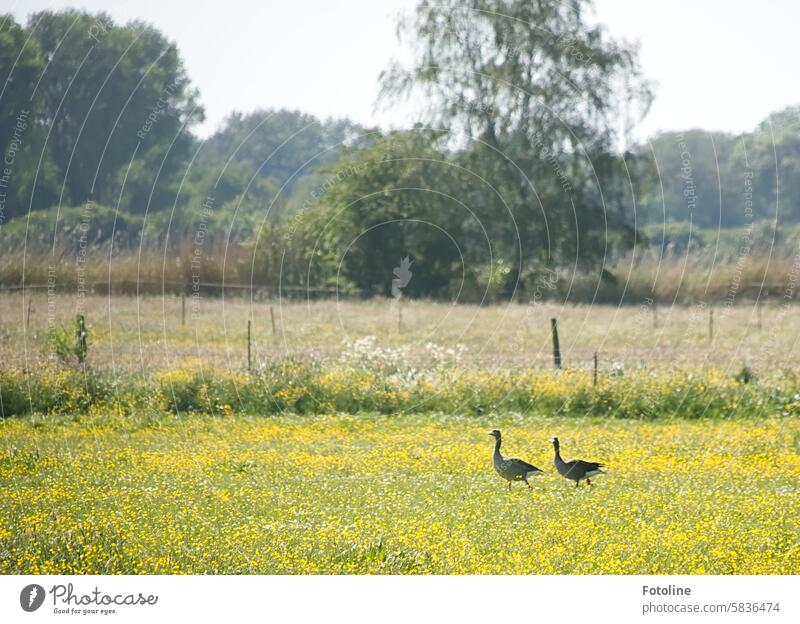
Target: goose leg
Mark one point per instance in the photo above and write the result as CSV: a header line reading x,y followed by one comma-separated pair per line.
x,y
577,483
528,484
509,486
588,481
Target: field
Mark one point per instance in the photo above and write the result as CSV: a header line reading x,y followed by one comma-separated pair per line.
x,y
357,446
382,494
147,334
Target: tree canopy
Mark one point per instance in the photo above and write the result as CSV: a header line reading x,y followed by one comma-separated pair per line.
x,y
529,92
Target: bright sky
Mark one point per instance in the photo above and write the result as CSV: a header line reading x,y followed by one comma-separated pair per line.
x,y
719,64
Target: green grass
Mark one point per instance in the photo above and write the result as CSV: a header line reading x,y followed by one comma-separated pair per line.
x,y
385,385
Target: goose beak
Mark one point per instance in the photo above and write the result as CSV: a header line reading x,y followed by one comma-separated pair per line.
x,y
552,439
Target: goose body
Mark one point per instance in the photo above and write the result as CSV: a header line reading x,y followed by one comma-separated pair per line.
x,y
575,469
511,468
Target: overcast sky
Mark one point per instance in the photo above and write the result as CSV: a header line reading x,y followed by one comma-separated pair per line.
x,y
719,64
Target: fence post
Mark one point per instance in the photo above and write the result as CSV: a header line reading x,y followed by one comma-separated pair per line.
x,y
711,324
249,365
594,372
81,339
400,315
272,319
556,349
28,318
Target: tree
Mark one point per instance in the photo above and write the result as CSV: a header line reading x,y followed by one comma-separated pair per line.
x,y
21,65
528,90
21,131
395,198
773,153
280,144
111,94
716,179
688,168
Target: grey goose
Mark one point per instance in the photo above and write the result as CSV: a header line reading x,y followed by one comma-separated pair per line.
x,y
511,468
575,469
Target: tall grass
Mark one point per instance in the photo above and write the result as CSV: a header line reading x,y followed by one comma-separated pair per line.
x,y
700,277
722,276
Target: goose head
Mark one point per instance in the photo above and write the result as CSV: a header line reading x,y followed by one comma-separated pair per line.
x,y
495,433
554,440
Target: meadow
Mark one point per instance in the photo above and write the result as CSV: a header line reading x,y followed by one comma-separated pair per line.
x,y
395,494
150,333
356,443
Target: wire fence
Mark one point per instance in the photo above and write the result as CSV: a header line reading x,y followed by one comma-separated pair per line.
x,y
178,288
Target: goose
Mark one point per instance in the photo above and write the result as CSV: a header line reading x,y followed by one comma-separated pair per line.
x,y
575,469
510,468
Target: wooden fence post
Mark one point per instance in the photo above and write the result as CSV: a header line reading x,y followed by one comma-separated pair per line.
x,y
400,315
556,349
249,361
272,319
81,339
711,324
594,372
